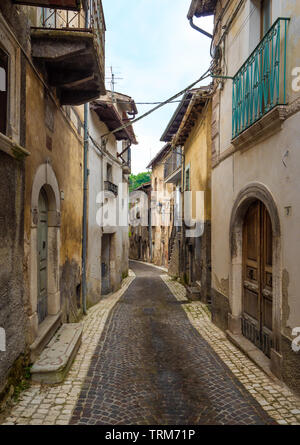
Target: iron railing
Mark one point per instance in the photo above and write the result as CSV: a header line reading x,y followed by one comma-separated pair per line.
x,y
260,84
111,187
76,21
173,162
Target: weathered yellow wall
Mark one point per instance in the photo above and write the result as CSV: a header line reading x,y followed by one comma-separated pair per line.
x,y
197,150
66,158
161,233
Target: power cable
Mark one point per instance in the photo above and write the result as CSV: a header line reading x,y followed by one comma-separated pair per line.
x,y
204,76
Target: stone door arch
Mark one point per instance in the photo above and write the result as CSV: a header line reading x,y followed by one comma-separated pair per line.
x,y
45,180
247,196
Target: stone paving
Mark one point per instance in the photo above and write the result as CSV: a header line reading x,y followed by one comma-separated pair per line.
x,y
50,405
150,358
152,367
273,396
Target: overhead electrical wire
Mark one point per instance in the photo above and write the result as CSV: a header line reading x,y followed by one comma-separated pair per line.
x,y
128,124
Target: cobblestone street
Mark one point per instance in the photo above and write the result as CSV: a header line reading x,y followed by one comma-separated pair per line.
x,y
150,356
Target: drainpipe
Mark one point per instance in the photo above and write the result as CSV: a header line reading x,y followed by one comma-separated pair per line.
x,y
150,227
85,188
207,34
84,222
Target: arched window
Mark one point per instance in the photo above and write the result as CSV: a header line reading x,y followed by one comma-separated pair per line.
x,y
3,90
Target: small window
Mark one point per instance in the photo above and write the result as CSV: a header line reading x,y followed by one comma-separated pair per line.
x,y
266,16
3,90
187,179
109,172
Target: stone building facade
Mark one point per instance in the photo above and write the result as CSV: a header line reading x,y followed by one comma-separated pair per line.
x,y
255,178
109,169
42,87
140,242
161,209
190,129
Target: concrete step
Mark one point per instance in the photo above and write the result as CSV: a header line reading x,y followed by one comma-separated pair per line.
x,y
54,362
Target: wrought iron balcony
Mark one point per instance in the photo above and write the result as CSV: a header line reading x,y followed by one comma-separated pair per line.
x,y
172,164
111,187
70,47
260,84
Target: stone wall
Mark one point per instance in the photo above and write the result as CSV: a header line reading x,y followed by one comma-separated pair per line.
x,y
12,310
220,309
290,370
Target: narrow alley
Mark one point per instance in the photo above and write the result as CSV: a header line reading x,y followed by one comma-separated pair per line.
x,y
143,372
149,213
151,356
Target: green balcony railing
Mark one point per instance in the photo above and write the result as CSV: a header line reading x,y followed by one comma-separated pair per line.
x,y
260,84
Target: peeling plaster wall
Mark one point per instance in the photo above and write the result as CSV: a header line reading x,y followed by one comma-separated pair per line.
x,y
44,120
12,310
197,151
161,231
12,300
273,162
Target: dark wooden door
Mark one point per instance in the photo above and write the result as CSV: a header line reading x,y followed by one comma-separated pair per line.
x,y
257,277
105,269
42,245
3,90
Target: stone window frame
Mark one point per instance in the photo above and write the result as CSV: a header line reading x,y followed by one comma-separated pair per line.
x,y
11,47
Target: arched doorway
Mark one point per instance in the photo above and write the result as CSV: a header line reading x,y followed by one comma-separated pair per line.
x,y
44,291
42,255
256,202
257,299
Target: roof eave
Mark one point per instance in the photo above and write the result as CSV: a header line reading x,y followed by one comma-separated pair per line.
x,y
201,8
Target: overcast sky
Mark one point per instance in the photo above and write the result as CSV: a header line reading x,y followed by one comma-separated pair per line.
x,y
152,47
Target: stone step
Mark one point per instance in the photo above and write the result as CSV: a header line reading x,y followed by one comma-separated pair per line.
x,y
193,293
54,362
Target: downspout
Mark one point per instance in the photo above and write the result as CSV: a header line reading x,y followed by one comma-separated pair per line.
x,y
85,188
207,34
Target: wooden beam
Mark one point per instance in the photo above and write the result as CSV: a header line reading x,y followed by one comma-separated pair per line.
x,y
72,78
78,97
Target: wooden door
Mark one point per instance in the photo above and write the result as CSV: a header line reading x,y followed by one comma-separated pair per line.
x,y
105,261
257,277
42,245
3,90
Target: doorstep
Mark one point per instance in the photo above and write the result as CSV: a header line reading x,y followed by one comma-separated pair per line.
x,y
56,359
46,331
255,354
